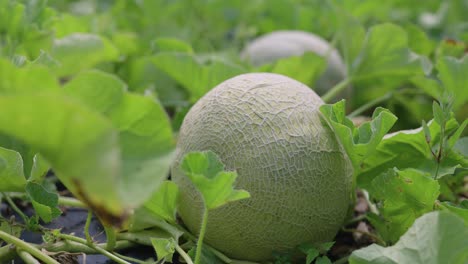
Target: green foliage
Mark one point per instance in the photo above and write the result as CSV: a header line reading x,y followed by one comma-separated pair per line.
x,y
405,195
437,237
90,92
359,143
44,202
11,171
207,173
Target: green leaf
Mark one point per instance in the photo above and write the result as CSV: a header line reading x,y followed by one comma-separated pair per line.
x,y
461,145
45,203
385,53
145,135
164,247
452,73
99,90
197,77
8,228
460,210
439,115
419,41
205,170
11,171
350,36
360,143
407,149
34,78
405,195
306,68
39,169
172,44
311,252
81,145
323,260
81,51
435,238
145,223
164,201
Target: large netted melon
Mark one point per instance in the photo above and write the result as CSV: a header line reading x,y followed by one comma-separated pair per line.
x,y
286,43
268,128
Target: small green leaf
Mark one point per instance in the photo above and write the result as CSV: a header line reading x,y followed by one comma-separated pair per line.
x,y
323,260
452,73
359,143
164,201
11,171
44,202
427,132
197,77
405,195
439,115
435,238
311,253
306,68
172,44
164,247
34,78
39,169
8,228
81,51
205,170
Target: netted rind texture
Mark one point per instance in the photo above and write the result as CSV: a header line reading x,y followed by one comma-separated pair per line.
x,y
267,127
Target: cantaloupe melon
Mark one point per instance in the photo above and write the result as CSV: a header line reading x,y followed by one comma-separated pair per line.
x,y
282,44
268,128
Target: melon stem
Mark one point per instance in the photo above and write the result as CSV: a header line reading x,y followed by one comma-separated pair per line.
x,y
201,235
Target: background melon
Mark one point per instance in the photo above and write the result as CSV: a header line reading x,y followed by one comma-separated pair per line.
x,y
269,129
281,44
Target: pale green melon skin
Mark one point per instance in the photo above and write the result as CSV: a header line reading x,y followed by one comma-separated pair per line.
x,y
268,128
286,43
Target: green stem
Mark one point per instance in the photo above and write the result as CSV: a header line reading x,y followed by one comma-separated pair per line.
x,y
88,237
441,145
15,208
71,202
27,247
133,260
370,104
201,235
27,258
93,246
111,237
191,237
356,219
376,238
333,92
184,255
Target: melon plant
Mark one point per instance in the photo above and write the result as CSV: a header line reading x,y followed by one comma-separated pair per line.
x,y
282,44
268,128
